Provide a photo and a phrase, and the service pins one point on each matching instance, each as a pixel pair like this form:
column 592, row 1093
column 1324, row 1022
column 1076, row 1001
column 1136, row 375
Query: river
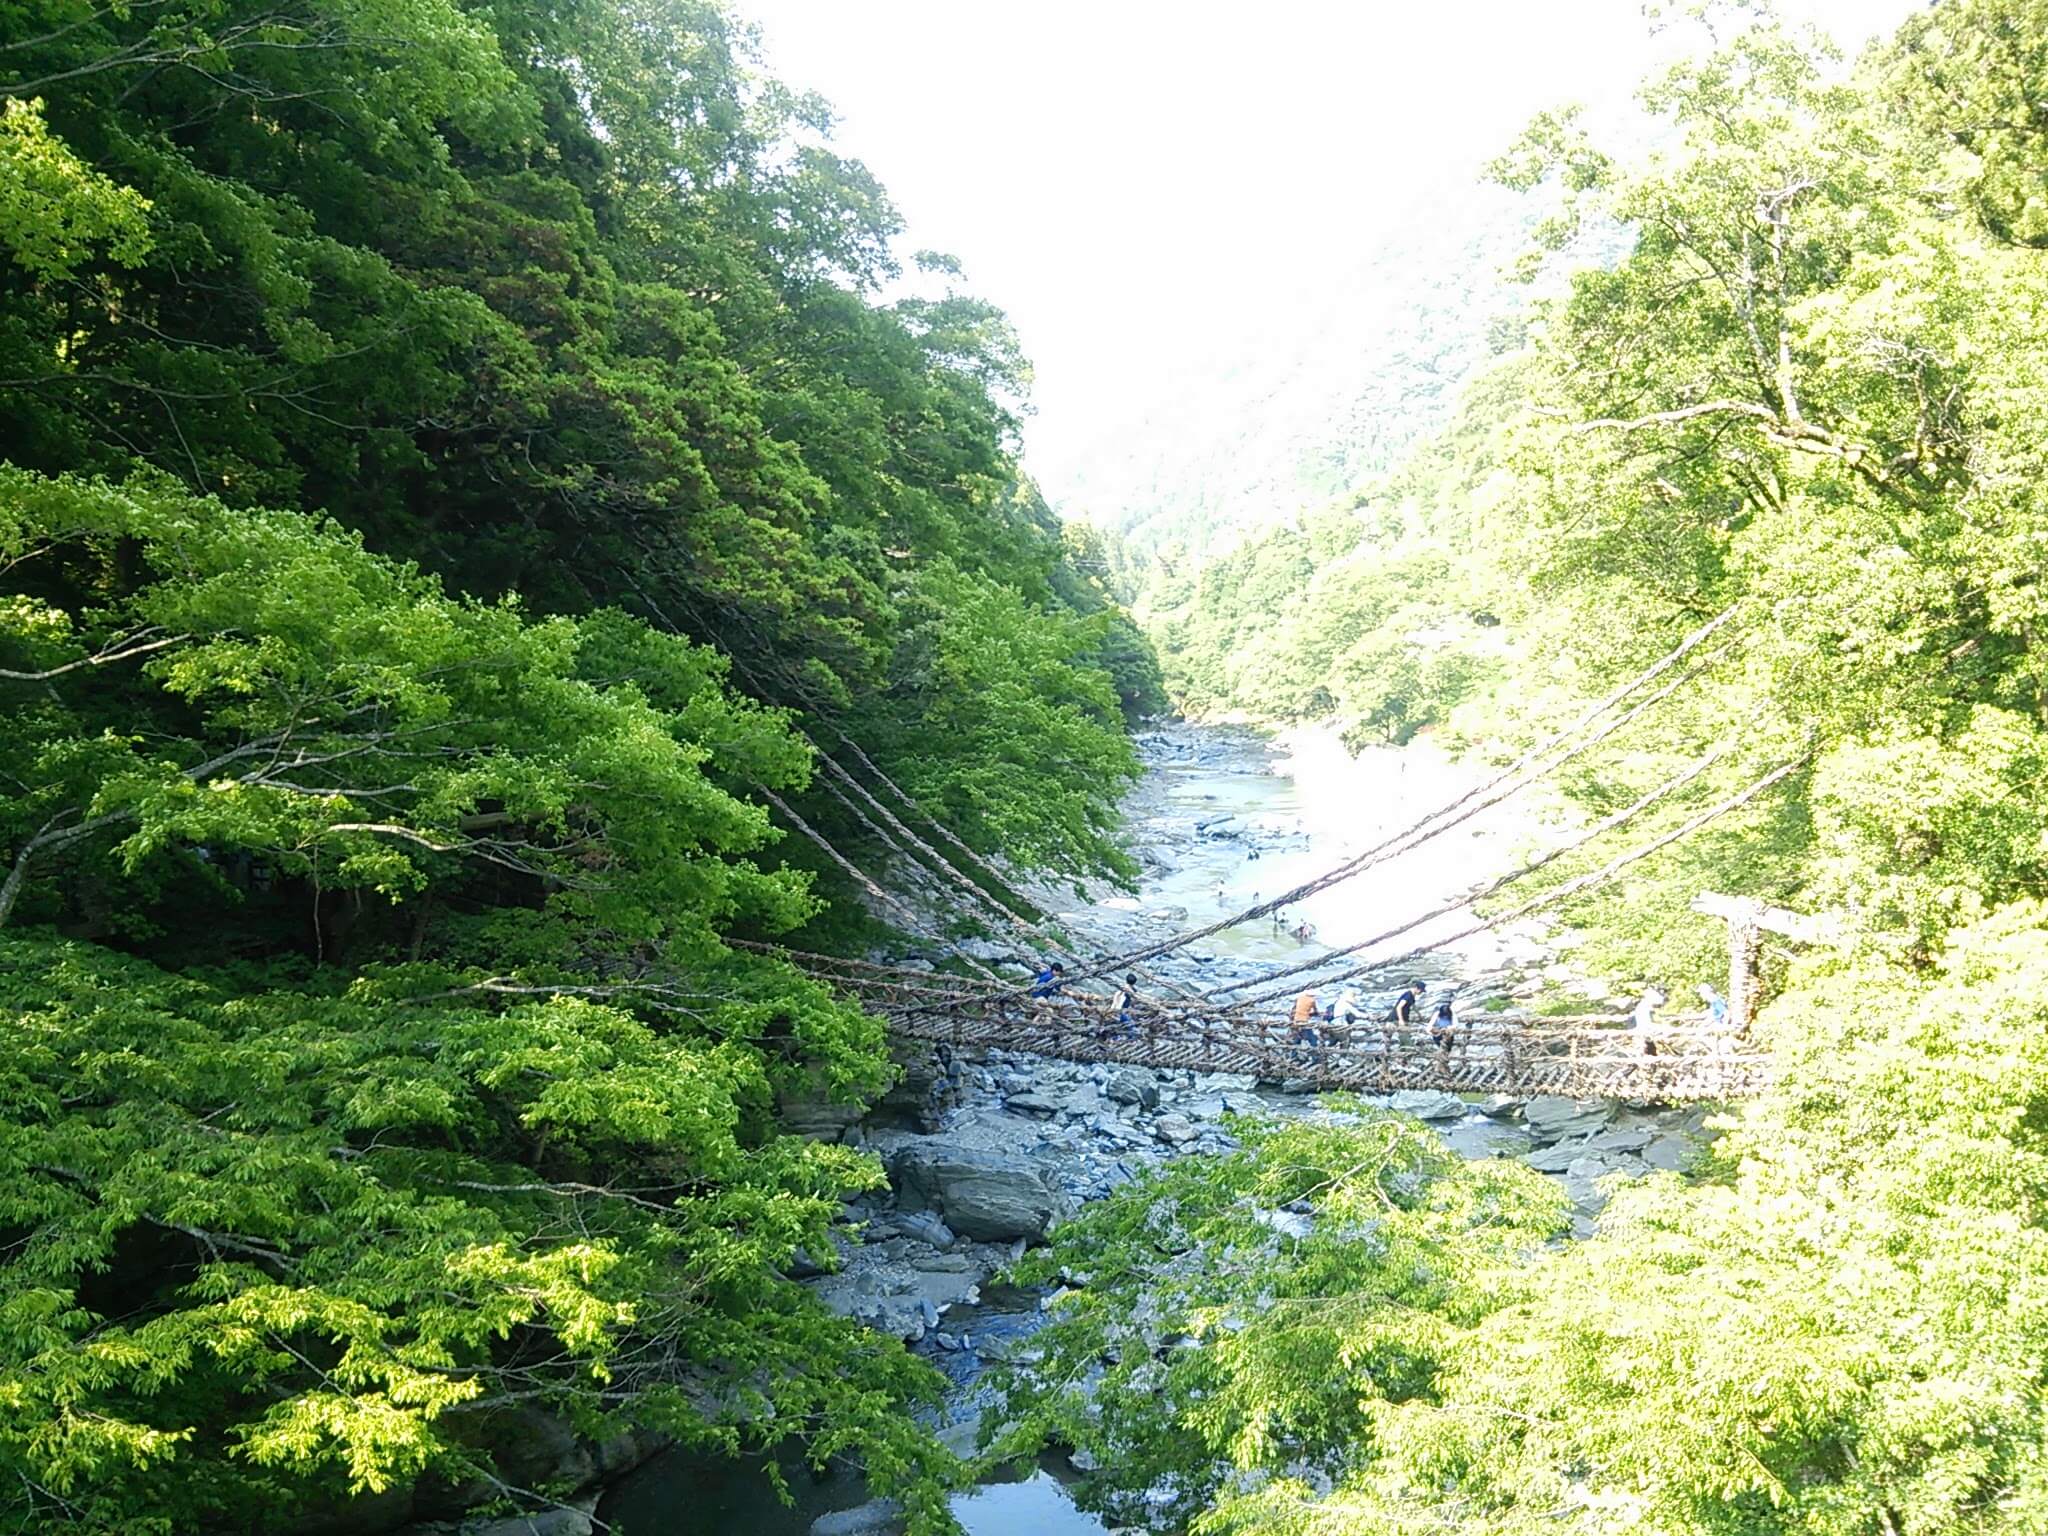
column 1223, row 818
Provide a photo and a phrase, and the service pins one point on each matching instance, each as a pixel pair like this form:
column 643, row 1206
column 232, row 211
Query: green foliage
column 279, row 1246
column 1273, row 1309
column 563, row 300
column 1810, row 390
column 1835, row 1326
column 1840, row 1330
column 403, row 399
column 55, row 209
column 445, row 1093
column 1004, row 735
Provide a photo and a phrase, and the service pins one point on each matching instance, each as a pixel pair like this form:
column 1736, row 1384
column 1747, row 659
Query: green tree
column 1228, row 1319
column 428, row 1087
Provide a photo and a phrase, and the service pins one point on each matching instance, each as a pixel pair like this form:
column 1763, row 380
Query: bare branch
column 120, row 650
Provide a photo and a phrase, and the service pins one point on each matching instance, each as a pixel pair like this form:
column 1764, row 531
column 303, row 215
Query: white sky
column 1147, row 185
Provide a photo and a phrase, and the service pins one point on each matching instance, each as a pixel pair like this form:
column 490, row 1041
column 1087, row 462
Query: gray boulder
column 1552, row 1117
column 1670, row 1152
column 982, row 1194
column 1428, row 1104
column 877, row 1517
column 1582, row 1178
column 1175, row 1129
column 923, row 1226
column 1486, row 1139
column 1131, row 1086
column 818, row 1120
column 564, row 1520
column 1032, row 1104
column 1630, row 1139
column 1556, row 1159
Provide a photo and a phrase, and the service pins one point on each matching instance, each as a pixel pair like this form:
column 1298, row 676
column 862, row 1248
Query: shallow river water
column 1223, row 819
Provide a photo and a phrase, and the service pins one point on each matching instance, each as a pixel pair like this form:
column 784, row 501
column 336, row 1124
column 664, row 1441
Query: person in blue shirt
column 1717, row 1006
column 1048, row 982
column 1443, row 1027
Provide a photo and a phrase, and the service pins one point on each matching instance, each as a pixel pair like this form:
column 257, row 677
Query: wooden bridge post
column 1743, row 942
column 1748, row 919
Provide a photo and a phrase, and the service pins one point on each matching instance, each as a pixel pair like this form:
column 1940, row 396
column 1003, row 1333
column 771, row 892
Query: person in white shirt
column 1645, row 1017
column 1344, row 1012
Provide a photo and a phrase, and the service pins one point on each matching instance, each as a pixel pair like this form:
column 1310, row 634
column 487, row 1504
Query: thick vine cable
column 854, row 872
column 1614, row 822
column 1570, row 888
column 1457, row 811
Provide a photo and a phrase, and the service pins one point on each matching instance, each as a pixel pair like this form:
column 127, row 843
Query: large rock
column 924, row 1227
column 1582, row 1178
column 546, row 1522
column 928, row 1083
column 1628, row 1139
column 817, row 1119
column 1556, row 1159
column 1133, row 1086
column 982, row 1194
column 1552, row 1117
column 877, row 1517
column 1175, row 1129
column 1484, row 1140
column 1670, row 1152
column 1428, row 1104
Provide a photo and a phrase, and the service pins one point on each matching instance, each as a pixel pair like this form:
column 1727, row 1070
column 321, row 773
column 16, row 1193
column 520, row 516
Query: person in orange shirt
column 1306, row 1009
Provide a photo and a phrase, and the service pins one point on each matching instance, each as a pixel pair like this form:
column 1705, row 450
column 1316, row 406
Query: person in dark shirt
column 1048, row 982
column 1404, row 1005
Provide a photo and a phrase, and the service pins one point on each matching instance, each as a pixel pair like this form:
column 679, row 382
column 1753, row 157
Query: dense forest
column 1809, row 395
column 1807, row 392
column 465, row 470
column 489, row 524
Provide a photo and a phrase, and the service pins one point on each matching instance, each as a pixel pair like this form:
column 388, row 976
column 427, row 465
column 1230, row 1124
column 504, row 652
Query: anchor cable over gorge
column 1599, row 829
column 1439, row 821
column 1185, row 1027
column 1577, row 1055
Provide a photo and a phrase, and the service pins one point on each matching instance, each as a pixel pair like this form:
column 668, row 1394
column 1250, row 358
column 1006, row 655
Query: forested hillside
column 1323, row 402
column 460, row 472
column 1808, row 393
column 1807, row 409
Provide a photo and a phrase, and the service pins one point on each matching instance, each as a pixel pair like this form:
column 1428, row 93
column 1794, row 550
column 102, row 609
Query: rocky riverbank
column 1026, row 1141
column 987, row 1151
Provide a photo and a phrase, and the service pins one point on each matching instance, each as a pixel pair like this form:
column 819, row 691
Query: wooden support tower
column 1748, row 921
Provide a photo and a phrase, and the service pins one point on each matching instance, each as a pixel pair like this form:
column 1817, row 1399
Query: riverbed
column 998, row 1147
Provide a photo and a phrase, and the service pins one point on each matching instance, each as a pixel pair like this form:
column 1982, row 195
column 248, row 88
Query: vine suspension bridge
column 1242, row 1027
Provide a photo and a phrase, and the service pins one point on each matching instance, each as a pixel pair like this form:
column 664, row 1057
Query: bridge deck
column 1579, row 1063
